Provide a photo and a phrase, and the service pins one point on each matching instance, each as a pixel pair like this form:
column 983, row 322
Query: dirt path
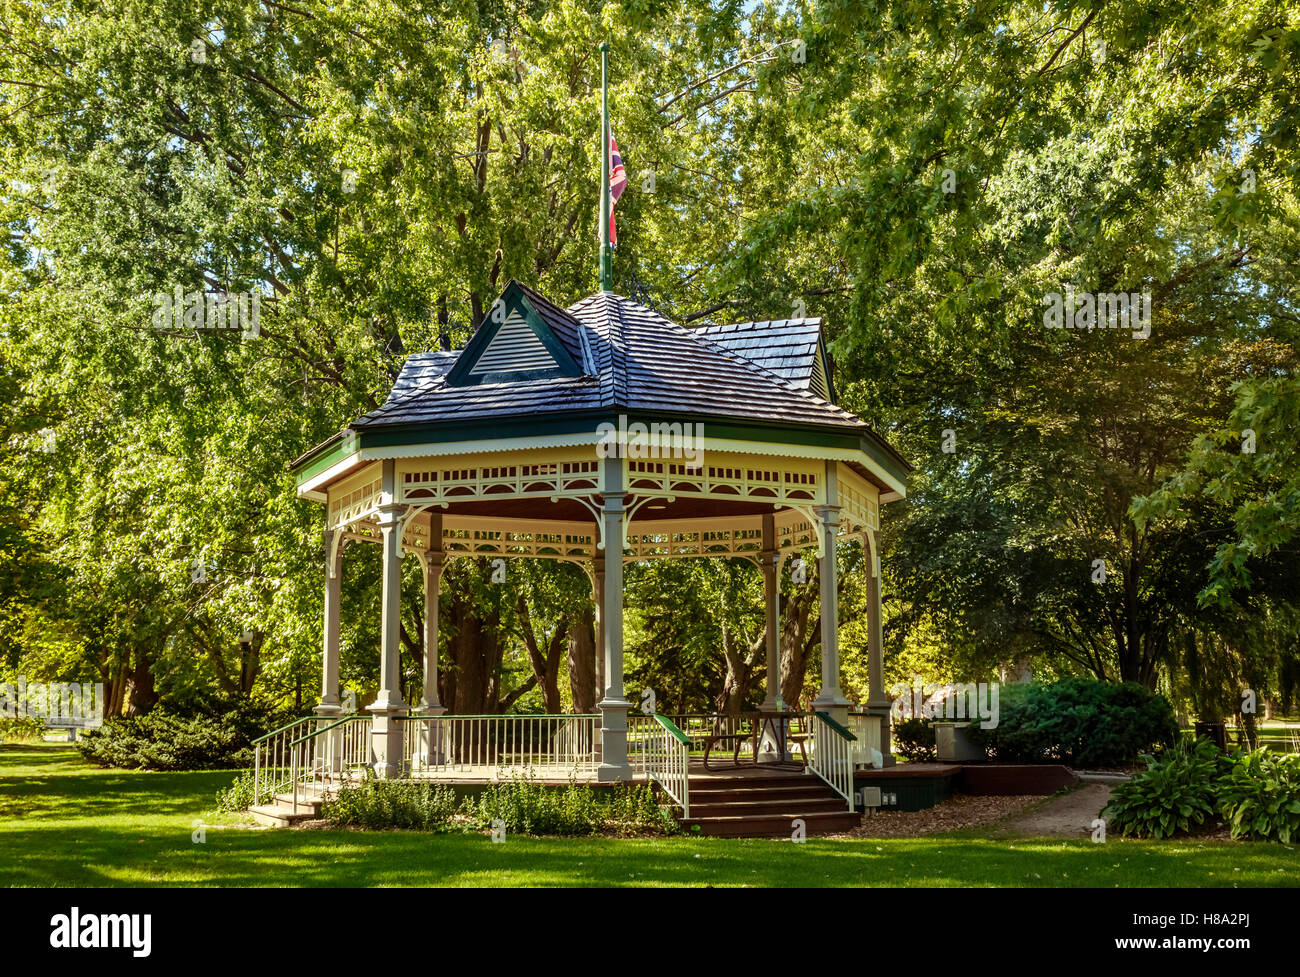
column 1067, row 816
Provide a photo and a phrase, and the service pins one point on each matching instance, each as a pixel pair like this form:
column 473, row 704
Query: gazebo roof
column 536, row 369
column 629, row 357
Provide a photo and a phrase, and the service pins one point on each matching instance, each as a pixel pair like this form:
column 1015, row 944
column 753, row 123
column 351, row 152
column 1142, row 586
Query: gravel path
column 1062, row 816
column 1067, row 815
column 959, row 813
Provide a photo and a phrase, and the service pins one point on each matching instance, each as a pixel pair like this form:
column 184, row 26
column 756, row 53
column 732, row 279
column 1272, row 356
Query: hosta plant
column 1175, row 794
column 1260, row 796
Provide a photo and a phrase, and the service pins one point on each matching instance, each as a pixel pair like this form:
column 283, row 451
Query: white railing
column 832, row 755
column 866, row 728
column 272, row 759
column 324, row 758
column 660, row 751
column 485, row 746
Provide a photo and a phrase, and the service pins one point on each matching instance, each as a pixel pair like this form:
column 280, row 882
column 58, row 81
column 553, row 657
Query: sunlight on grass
column 63, row 822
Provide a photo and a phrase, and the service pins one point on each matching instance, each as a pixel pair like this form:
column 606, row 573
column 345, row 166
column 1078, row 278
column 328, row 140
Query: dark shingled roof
column 786, row 347
column 639, row 361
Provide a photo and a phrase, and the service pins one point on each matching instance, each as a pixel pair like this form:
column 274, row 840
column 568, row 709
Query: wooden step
column 770, row 826
column 796, row 807
column 809, row 792
column 720, row 782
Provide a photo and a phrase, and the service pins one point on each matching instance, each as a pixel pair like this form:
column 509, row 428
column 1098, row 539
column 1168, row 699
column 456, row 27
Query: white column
column 770, row 563
column 329, row 693
column 599, row 580
column 831, row 700
column 773, row 733
column 433, row 563
column 877, row 701
column 614, row 706
column 386, row 732
column 598, row 592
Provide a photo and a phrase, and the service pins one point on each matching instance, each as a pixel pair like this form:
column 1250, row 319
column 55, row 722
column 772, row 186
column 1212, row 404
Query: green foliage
column 528, row 807
column 1259, row 796
column 162, row 740
column 378, row 804
column 127, row 456
column 1082, row 722
column 239, row 796
column 914, row 739
column 1177, row 793
column 20, row 728
column 521, row 804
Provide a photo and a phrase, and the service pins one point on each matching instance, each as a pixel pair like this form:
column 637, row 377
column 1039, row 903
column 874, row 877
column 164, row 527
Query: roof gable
column 793, row 349
column 524, row 337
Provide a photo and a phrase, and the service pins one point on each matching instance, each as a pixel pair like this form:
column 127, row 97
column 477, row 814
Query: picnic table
column 761, row 726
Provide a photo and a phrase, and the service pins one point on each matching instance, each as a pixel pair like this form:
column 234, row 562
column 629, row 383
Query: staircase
column 749, row 806
column 281, row 813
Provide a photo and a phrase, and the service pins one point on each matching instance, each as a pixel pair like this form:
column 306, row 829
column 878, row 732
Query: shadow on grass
column 81, row 825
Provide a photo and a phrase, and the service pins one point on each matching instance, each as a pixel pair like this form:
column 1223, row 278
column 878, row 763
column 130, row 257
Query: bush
column 1082, row 722
column 15, row 729
column 239, row 795
column 161, row 740
column 1259, row 796
column 1176, row 793
column 523, row 805
column 914, row 739
column 527, row 807
column 392, row 804
column 634, row 809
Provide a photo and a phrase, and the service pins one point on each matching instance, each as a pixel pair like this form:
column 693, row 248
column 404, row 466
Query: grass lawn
column 63, row 822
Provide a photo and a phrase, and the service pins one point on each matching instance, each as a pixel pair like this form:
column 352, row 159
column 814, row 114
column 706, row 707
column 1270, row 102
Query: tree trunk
column 545, row 661
column 796, row 640
column 582, row 660
column 743, row 665
column 140, row 695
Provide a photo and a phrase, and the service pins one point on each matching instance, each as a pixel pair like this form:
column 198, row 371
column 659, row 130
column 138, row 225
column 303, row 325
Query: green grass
column 63, row 822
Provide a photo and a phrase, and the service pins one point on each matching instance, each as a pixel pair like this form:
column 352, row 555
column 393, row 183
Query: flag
column 617, row 184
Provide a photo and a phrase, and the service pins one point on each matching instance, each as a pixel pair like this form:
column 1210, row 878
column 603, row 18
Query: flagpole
column 606, row 252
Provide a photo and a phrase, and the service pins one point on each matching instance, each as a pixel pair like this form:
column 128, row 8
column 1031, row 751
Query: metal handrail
column 324, row 729
column 304, row 719
column 298, row 752
column 663, row 754
column 671, row 726
column 832, row 756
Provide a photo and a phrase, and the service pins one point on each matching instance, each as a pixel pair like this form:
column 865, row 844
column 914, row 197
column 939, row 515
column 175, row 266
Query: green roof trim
column 578, row 422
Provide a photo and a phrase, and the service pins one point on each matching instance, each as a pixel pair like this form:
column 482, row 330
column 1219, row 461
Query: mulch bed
column 956, row 814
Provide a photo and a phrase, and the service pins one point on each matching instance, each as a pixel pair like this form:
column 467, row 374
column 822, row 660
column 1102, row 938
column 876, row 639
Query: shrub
column 1176, row 793
column 528, row 807
column 161, row 740
column 633, row 809
column 1259, row 796
column 21, row 728
column 914, row 739
column 239, row 795
column 392, row 804
column 522, row 804
column 1082, row 722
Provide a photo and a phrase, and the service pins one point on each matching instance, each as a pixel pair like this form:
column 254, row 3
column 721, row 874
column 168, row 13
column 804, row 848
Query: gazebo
column 603, row 434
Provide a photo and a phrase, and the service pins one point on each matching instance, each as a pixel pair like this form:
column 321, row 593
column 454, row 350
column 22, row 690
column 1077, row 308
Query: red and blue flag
column 617, row 184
